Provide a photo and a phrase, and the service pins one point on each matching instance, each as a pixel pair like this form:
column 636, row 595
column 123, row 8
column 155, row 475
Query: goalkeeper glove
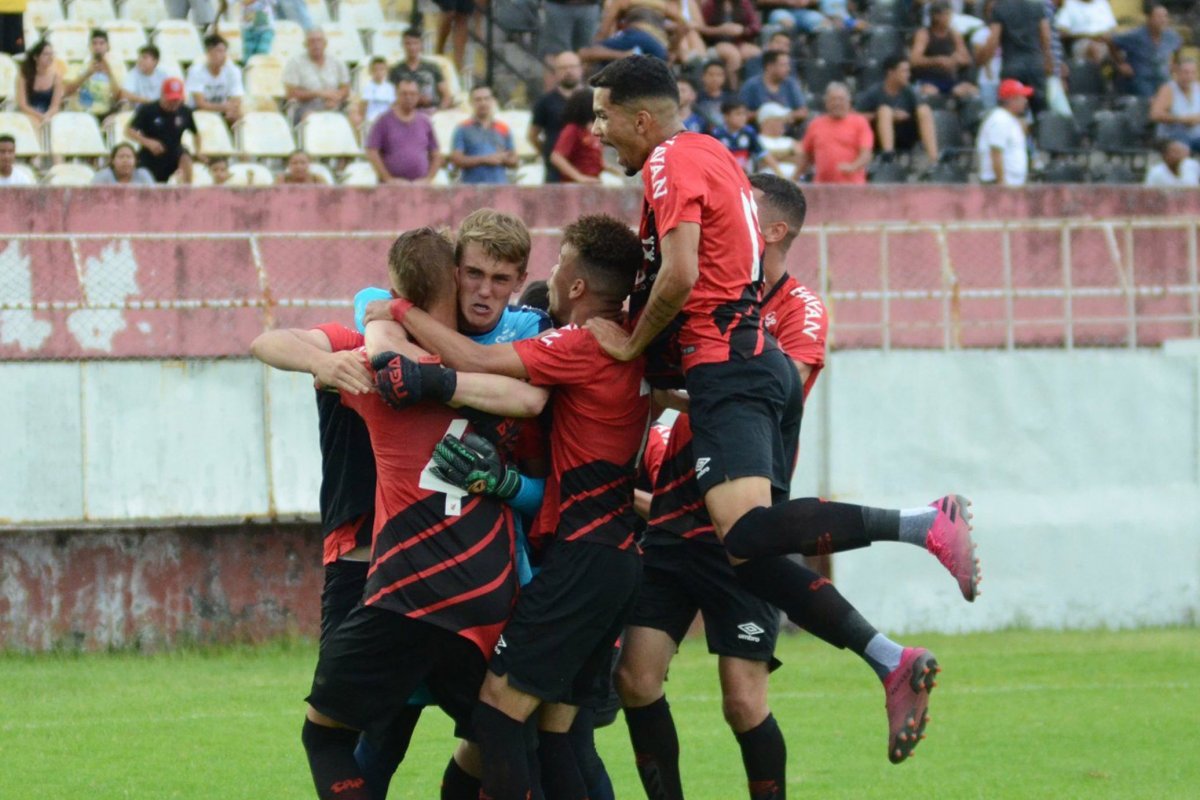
column 403, row 382
column 472, row 463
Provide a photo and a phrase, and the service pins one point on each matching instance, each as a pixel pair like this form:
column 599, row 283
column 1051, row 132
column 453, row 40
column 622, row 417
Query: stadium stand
column 264, row 134
column 345, row 43
column 115, row 128
column 8, row 79
column 200, row 175
column 359, row 173
column 250, row 174
column 387, row 41
column 26, row 172
column 69, row 174
column 362, row 14
column 215, row 139
column 178, row 40
column 328, row 134
column 444, row 123
column 517, row 120
column 70, row 39
column 42, row 14
column 125, row 36
column 288, row 41
column 318, row 12
column 20, row 127
column 146, row 12
column 264, row 76
column 93, row 13
column 76, row 134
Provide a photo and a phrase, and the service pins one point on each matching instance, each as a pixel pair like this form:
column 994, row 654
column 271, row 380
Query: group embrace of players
column 496, row 518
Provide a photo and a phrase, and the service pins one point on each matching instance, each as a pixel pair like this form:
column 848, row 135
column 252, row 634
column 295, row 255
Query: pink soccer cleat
column 907, row 688
column 949, row 539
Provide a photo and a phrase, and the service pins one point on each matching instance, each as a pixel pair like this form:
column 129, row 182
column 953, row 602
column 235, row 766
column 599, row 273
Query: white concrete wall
column 1084, row 468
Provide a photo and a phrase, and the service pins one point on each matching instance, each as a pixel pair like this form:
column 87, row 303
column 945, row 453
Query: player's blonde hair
column 501, row 236
column 421, row 266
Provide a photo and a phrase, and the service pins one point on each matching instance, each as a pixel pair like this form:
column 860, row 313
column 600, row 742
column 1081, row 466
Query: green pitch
column 1016, row 715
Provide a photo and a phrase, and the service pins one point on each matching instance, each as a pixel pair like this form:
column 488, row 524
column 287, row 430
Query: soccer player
column 698, row 304
column 441, row 582
column 557, row 649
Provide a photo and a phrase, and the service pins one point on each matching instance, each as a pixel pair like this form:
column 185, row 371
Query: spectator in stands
column 1087, row 26
column 298, row 172
column 1176, row 168
column 939, row 55
column 8, row 159
column 776, row 85
column 642, row 33
column 215, row 84
column 1002, row 147
column 123, row 170
column 772, row 135
column 1021, row 31
column 12, row 27
column 741, row 139
column 455, row 19
column 218, row 169
column 797, row 15
column 838, row 143
column 143, row 83
column 1176, row 107
column 778, row 42
column 569, row 26
column 435, row 92
column 401, row 145
column 203, row 11
column 39, row 87
column 578, row 155
column 258, row 27
column 296, row 11
column 378, row 93
column 547, row 117
column 1143, row 55
column 158, row 129
column 731, row 27
column 315, row 81
column 901, row 116
column 95, row 85
column 693, row 120
column 483, row 146
column 714, row 93
column 678, row 21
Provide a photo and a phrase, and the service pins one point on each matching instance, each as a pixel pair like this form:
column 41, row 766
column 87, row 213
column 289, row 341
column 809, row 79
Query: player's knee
column 637, row 686
column 744, row 708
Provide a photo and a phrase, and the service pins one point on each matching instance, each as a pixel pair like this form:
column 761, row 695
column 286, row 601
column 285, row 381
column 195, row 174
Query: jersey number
column 750, row 211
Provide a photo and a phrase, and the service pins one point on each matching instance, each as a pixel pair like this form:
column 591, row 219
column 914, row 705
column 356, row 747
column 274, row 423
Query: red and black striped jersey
column 691, row 177
column 450, row 567
column 797, row 317
column 599, row 414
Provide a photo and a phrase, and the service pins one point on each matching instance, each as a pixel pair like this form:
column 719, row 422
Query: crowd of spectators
column 829, row 91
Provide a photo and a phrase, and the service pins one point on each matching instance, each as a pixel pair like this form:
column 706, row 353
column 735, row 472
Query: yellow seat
column 93, row 13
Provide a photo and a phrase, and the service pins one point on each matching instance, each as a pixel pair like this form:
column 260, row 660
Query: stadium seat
column 115, row 127
column 148, row 13
column 608, row 179
column 1114, row 172
column 1086, row 78
column 1137, row 111
column 832, row 46
column 93, row 13
column 69, row 175
column 42, row 14
column 345, row 43
column 20, row 127
column 532, row 174
column 517, row 121
column 888, row 172
column 318, row 12
column 200, row 176
column 946, row 172
column 361, row 14
column 8, row 78
column 444, row 123
column 359, row 173
column 324, row 172
column 259, row 102
column 870, row 72
column 328, row 134
column 263, row 134
column 249, row 174
column 233, row 38
column 387, row 41
column 1058, row 135
column 71, row 40
column 214, row 134
column 178, row 40
column 1084, row 108
column 1063, row 172
column 76, row 134
column 818, row 74
column 288, row 41
column 264, row 76
column 125, row 37
column 1114, row 136
column 883, row 42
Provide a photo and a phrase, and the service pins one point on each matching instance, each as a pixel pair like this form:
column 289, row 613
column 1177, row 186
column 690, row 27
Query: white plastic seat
column 200, row 176
column 264, row 76
column 8, row 77
column 324, row 172
column 531, row 174
column 178, row 40
column 215, row 139
column 517, row 120
column 318, row 12
column 71, row 40
column 116, row 127
column 20, row 127
column 328, row 134
column 288, row 41
column 444, row 123
column 69, row 175
column 42, row 14
column 264, row 134
column 361, row 14
column 148, row 13
column 91, row 12
column 249, row 174
column 345, row 44
column 359, row 173
column 125, row 38
column 388, row 41
column 232, row 34
column 76, row 134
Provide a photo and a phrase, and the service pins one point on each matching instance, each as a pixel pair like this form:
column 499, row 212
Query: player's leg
column 561, row 777
column 744, row 703
column 591, row 766
column 460, row 781
column 380, row 757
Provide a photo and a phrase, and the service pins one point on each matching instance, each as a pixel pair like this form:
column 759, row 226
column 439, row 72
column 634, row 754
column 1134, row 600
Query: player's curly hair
column 783, row 199
column 637, row 78
column 421, row 266
column 610, row 254
column 502, row 236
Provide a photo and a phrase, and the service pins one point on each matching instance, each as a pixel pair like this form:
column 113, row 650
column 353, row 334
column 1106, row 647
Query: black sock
column 379, row 760
column 591, row 766
column 656, row 748
column 331, row 759
column 502, row 745
column 765, row 755
column 808, row 599
column 560, row 772
column 805, row 525
column 457, row 784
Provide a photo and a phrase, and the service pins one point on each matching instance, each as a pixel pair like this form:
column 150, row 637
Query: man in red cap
column 1003, row 157
column 159, row 128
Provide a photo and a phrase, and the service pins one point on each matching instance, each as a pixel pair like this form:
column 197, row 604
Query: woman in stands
column 39, row 87
column 578, row 155
column 122, row 169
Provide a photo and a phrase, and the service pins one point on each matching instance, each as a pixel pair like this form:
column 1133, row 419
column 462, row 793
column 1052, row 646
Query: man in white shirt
column 1001, row 146
column 1087, row 26
column 8, row 159
column 216, row 84
column 316, row 81
column 1176, row 168
column 143, row 83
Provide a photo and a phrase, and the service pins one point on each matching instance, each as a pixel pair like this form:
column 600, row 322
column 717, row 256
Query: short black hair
column 610, row 254
column 637, row 78
column 149, row 50
column 98, row 33
column 121, row 146
column 413, row 33
column 214, row 40
column 6, row 138
column 732, row 105
column 771, row 56
column 716, row 62
column 893, row 61
column 785, row 198
column 376, row 60
column 536, row 295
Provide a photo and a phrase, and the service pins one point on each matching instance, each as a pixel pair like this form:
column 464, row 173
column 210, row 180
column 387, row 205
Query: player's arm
column 678, row 274
column 496, row 394
column 641, row 503
column 804, row 369
column 298, row 350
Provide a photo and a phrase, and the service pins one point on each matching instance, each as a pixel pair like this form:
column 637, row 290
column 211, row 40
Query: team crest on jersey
column 770, row 320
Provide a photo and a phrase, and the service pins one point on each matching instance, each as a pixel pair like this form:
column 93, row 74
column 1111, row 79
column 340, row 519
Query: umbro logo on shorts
column 751, row 632
column 702, row 466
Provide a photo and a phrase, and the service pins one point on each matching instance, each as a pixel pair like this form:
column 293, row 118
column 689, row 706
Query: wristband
column 399, row 307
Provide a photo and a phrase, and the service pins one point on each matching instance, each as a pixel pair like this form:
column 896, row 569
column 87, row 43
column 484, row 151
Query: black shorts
column 558, row 646
column 680, row 579
column 456, row 6
column 12, row 34
column 376, row 659
column 344, row 583
column 745, row 419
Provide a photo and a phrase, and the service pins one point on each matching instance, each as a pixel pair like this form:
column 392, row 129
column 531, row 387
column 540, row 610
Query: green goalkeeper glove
column 472, row 463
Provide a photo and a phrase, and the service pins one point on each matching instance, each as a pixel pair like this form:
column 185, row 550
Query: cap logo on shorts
column 750, row 631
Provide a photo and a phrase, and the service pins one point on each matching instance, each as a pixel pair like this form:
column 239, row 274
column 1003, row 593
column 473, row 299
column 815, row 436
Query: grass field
column 1016, row 715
